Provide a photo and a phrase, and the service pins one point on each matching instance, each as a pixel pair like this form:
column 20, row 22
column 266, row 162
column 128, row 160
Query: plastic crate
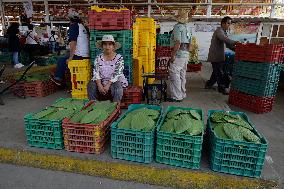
column 194, row 67
column 87, row 138
column 131, row 95
column 163, row 51
column 270, row 53
column 43, row 133
column 236, row 157
column 133, row 145
column 163, row 39
column 18, row 89
column 124, row 37
column 110, row 20
column 39, row 88
column 251, row 103
column 80, row 95
column 259, row 71
column 179, row 150
column 255, row 87
column 162, row 65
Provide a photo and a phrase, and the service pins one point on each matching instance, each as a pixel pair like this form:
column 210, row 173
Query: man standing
column 79, row 46
column 217, row 56
column 180, row 40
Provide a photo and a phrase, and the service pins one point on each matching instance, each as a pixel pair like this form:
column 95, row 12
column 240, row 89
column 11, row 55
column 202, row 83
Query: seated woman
column 108, row 71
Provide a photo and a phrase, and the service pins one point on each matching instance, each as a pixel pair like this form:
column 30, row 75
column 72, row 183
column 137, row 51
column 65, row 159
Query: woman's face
column 108, row 46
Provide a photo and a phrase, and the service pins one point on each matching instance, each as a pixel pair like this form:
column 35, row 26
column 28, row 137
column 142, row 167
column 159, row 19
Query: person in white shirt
column 53, row 40
column 32, row 42
column 79, row 46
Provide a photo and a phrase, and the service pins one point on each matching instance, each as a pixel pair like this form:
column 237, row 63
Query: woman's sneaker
column 18, row 66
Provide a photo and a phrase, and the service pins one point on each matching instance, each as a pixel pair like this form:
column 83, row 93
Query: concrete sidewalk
column 12, row 136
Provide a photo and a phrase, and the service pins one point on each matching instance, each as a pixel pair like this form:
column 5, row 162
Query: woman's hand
column 101, row 89
column 106, row 87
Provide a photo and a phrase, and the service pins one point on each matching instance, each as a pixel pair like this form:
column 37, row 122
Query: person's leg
column 61, row 68
column 92, row 90
column 220, row 75
column 175, row 80
column 116, row 91
column 214, row 75
column 16, row 58
column 183, row 78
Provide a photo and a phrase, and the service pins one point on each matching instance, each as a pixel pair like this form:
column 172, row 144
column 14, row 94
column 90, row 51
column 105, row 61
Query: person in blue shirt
column 79, row 46
column 180, row 41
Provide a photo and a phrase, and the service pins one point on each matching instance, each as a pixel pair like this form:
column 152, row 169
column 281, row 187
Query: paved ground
column 12, row 133
column 16, row 177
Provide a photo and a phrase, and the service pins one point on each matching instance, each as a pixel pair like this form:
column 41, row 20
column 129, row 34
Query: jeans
column 62, row 66
column 52, row 46
column 16, row 58
column 115, row 88
column 218, row 76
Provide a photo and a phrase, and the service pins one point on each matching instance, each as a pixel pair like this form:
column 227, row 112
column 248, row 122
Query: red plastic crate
column 107, row 20
column 131, row 95
column 162, row 66
column 163, row 51
column 270, row 53
column 194, row 67
column 87, row 138
column 251, row 103
column 18, row 89
column 39, row 88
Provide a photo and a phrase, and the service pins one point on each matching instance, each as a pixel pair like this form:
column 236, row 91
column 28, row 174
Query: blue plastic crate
column 133, row 145
column 181, row 150
column 236, row 157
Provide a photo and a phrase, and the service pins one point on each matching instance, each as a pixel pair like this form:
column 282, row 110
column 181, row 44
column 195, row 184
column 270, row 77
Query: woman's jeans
column 16, row 58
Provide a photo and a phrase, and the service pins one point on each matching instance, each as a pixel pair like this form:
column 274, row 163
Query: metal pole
column 209, row 9
column 2, row 15
column 149, row 8
column 272, row 13
column 46, row 10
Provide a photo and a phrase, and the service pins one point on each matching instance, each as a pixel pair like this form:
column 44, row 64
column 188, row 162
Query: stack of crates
column 163, row 54
column 256, row 76
column 163, row 45
column 80, row 76
column 115, row 22
column 144, row 45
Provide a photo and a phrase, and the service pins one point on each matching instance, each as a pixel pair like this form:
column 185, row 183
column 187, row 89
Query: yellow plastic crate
column 80, row 95
column 79, row 63
column 98, row 9
column 137, row 72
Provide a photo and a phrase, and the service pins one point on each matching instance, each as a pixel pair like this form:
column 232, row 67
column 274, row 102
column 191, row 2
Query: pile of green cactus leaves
column 181, row 121
column 142, row 119
column 234, row 127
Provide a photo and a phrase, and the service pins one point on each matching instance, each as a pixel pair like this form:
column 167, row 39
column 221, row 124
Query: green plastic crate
column 163, row 39
column 179, row 150
column 5, row 57
column 43, row 133
column 255, row 87
column 133, row 145
column 236, row 157
column 124, row 37
column 259, row 71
